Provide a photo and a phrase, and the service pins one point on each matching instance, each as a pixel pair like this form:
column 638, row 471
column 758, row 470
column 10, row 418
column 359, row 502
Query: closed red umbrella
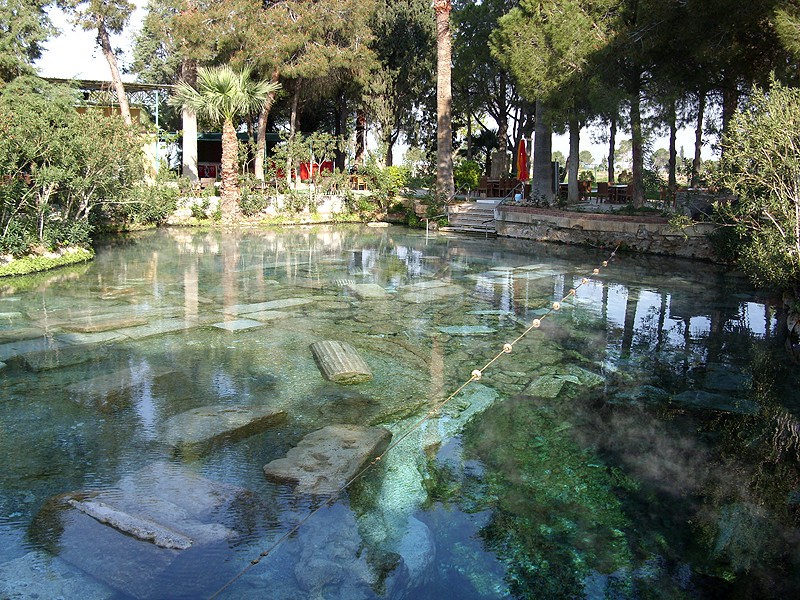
column 522, row 161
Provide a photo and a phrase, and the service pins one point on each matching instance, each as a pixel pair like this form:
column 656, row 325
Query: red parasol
column 522, row 161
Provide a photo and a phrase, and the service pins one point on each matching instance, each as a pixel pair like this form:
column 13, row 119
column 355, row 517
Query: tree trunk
column 542, row 184
column 672, row 181
column 361, row 136
column 444, row 102
column 502, row 126
column 261, row 142
column 105, row 45
column 730, row 101
column 292, row 132
column 698, row 139
column 469, row 136
column 230, row 184
column 612, row 142
column 340, row 130
column 390, row 150
column 573, row 193
column 637, row 149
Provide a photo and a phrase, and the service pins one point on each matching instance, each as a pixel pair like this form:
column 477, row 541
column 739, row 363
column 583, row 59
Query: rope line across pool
column 432, row 413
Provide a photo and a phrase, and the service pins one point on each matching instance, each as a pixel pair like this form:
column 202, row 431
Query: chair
column 483, row 187
column 602, row 192
column 666, row 196
column 584, row 189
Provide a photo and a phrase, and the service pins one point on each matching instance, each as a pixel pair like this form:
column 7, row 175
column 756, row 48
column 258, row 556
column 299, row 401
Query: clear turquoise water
column 643, row 443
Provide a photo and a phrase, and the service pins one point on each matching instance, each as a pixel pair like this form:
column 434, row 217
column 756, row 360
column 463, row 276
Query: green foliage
column 586, row 176
column 787, row 26
column 200, row 209
column 652, row 181
column 384, row 182
column 467, row 175
column 398, row 177
column 761, row 167
column 253, row 199
column 62, row 234
column 34, row 264
column 26, row 26
column 19, row 236
column 223, row 94
column 143, row 204
column 404, row 41
column 60, row 166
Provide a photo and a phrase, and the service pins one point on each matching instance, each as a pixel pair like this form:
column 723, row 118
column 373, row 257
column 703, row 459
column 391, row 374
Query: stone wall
column 643, row 234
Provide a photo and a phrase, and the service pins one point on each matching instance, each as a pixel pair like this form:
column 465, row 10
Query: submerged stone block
column 328, row 458
column 549, row 382
column 39, row 575
column 89, row 326
column 146, row 532
column 60, row 357
column 139, row 527
column 467, row 330
column 268, row 315
column 431, row 294
column 114, row 389
column 424, row 285
column 239, row 309
column 168, row 325
column 199, row 429
column 238, row 324
column 16, row 348
column 340, row 362
column 368, row 291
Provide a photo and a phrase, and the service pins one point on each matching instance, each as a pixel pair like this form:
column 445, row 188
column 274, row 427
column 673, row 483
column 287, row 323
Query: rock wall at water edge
column 653, row 235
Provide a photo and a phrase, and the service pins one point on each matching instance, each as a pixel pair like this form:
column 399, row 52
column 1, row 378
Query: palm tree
column 444, row 101
column 223, row 96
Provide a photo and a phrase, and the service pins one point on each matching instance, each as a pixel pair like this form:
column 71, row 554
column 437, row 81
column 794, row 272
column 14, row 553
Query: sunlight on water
column 643, row 441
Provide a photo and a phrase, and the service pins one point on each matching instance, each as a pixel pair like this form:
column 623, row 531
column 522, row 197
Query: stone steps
column 472, row 217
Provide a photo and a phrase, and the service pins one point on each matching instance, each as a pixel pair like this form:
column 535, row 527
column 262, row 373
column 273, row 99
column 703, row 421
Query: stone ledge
column 653, row 235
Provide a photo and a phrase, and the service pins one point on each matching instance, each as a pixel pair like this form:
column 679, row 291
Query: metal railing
column 517, row 189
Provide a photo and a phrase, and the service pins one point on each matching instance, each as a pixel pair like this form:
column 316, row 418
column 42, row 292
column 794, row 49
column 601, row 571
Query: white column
column 190, row 145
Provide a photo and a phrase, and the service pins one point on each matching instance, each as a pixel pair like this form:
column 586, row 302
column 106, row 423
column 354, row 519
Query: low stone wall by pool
column 643, row 234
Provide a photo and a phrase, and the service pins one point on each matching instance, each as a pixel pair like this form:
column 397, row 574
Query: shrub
column 467, row 175
column 652, row 181
column 18, row 238
column 384, row 183
column 253, row 199
column 761, row 166
column 61, row 234
column 200, row 209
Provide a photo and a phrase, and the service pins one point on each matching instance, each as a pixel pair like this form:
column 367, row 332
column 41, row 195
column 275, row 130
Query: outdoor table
column 617, row 192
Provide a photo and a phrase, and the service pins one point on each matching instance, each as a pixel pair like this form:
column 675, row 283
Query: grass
column 34, row 264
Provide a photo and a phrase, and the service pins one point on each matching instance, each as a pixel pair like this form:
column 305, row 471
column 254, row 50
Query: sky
column 74, row 55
